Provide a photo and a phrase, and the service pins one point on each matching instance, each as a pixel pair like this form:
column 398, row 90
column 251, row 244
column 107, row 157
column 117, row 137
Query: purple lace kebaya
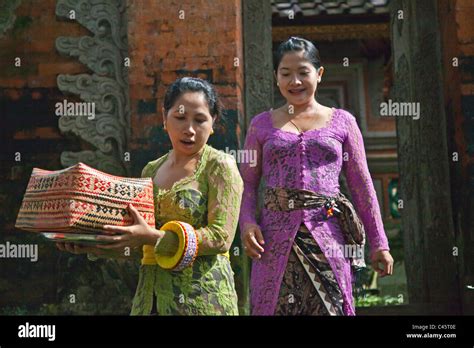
column 311, row 160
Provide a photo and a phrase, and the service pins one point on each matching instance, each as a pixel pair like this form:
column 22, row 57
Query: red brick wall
column 33, row 40
column 163, row 47
column 28, row 94
column 29, row 126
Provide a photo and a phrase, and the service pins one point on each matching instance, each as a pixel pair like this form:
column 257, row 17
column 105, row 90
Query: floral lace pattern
column 209, row 200
column 312, row 160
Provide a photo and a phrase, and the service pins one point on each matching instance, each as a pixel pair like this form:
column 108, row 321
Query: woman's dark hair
column 297, row 44
column 193, row 84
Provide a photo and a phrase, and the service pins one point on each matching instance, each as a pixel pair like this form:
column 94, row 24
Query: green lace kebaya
column 209, row 200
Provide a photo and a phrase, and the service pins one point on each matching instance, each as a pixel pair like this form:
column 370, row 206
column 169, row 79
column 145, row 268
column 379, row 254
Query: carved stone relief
column 105, row 55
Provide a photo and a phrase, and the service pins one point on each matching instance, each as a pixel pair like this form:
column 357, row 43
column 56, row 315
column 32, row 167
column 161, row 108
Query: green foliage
column 14, row 310
column 373, row 300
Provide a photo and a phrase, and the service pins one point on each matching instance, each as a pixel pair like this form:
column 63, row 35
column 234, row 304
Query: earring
column 278, row 84
column 212, row 131
column 164, row 127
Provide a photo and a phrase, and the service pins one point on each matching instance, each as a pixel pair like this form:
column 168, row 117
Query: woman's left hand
column 384, row 257
column 133, row 236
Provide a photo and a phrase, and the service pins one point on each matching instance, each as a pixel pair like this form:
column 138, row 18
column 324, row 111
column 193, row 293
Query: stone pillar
column 258, row 89
column 427, row 216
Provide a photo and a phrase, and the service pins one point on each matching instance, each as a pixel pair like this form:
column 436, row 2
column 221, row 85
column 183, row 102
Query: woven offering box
column 81, row 199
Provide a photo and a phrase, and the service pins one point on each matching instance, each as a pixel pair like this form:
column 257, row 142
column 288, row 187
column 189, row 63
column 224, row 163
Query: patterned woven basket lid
column 82, row 199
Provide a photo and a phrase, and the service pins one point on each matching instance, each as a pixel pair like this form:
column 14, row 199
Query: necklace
column 299, row 130
column 293, row 123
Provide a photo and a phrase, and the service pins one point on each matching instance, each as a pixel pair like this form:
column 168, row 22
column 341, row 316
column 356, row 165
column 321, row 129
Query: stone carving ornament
column 105, row 55
column 105, row 286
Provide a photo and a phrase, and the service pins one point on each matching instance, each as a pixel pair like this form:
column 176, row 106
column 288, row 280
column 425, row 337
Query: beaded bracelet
column 187, row 247
column 191, row 250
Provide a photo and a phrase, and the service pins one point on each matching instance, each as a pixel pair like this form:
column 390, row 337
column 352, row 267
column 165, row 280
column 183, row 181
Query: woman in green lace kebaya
column 196, row 184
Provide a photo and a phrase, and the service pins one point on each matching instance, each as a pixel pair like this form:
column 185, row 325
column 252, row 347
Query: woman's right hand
column 252, row 239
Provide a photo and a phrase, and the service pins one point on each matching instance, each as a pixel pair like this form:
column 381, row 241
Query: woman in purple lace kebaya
column 300, row 263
